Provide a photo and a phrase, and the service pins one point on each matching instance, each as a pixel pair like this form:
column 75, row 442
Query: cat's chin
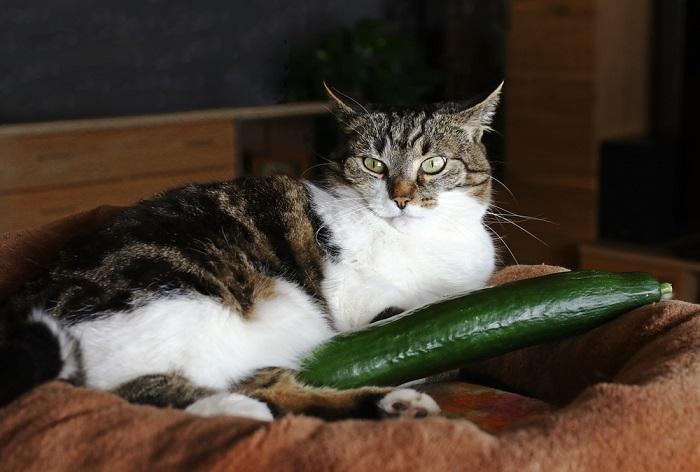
column 405, row 220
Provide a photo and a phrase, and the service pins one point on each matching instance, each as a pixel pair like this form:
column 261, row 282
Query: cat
column 206, row 297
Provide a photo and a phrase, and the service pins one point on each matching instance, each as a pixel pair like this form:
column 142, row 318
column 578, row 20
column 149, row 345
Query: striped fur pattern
column 206, row 297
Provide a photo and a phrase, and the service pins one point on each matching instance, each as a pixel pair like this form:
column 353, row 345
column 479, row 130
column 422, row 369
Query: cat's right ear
column 345, row 111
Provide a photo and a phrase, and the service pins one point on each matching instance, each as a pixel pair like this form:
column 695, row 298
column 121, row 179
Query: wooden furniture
column 50, row 170
column 577, row 73
column 683, row 274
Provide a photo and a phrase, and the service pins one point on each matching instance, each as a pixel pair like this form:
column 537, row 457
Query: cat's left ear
column 477, row 119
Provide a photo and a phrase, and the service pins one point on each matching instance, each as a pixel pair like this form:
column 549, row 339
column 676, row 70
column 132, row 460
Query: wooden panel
column 31, row 208
column 577, row 73
column 551, row 161
column 59, row 159
column 551, row 39
column 624, row 68
column 287, row 110
column 550, row 130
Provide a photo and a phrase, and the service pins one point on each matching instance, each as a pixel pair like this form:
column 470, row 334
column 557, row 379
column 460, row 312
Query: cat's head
column 401, row 160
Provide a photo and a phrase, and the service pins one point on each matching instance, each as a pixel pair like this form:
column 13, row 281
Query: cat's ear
column 478, row 118
column 338, row 104
column 347, row 111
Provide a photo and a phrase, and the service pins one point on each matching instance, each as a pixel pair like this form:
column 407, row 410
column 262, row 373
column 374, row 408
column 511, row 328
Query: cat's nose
column 401, row 191
column 401, row 202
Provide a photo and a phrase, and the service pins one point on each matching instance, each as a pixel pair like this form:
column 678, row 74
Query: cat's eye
column 375, row 165
column 433, row 165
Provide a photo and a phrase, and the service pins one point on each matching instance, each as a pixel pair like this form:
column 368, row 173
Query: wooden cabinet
column 577, row 74
column 57, row 159
column 50, row 170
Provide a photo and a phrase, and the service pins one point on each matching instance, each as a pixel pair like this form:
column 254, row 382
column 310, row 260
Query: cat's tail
column 33, row 352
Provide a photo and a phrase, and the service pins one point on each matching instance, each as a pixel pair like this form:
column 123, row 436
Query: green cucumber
column 484, row 323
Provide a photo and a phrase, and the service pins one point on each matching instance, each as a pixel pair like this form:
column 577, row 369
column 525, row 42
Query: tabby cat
column 206, row 297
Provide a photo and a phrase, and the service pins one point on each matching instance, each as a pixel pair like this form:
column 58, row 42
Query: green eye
column 433, row 165
column 375, row 165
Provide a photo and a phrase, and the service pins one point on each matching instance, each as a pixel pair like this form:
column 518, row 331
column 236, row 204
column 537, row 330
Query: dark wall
column 82, row 58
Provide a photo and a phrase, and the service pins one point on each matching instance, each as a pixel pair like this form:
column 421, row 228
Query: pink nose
column 401, row 202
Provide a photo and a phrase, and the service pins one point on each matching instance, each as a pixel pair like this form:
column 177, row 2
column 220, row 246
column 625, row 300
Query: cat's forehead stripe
column 419, row 131
column 401, row 131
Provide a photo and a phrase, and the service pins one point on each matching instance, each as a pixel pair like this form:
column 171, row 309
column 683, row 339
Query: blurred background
column 107, row 102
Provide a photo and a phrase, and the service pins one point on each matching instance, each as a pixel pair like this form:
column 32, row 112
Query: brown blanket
column 629, row 393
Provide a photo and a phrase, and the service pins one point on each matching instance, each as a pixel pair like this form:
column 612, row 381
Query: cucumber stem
column 666, row 290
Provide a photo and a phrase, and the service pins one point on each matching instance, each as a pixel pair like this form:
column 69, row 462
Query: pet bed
column 625, row 396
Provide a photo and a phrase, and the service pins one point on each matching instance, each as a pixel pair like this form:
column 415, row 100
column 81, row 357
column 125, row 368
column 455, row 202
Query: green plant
column 367, row 60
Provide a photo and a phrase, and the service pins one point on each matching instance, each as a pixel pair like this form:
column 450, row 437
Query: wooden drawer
column 42, row 160
column 31, row 208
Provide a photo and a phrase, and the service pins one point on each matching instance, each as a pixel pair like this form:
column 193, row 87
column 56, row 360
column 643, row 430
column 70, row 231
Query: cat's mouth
column 409, row 213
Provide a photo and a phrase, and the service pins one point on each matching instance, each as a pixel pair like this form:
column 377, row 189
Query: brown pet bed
column 629, row 396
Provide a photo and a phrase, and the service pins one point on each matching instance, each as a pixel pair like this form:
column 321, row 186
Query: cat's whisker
column 446, row 219
column 524, row 217
column 339, row 207
column 338, row 203
column 308, row 169
column 223, row 233
column 504, row 186
column 492, row 231
column 321, row 156
column 520, row 227
column 205, row 253
column 349, row 211
column 503, row 218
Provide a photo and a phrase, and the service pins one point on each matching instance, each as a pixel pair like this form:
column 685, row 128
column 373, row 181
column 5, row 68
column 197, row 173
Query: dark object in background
column 369, row 60
column 649, row 187
column 638, row 186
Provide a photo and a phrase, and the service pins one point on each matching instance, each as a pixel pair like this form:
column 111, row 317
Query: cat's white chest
column 406, row 264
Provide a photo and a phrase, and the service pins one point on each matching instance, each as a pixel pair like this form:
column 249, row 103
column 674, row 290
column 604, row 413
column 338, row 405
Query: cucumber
column 484, row 323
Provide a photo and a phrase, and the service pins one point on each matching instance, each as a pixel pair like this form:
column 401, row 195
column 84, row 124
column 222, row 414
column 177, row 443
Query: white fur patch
column 67, row 344
column 231, row 404
column 404, row 262
column 410, row 403
column 201, row 339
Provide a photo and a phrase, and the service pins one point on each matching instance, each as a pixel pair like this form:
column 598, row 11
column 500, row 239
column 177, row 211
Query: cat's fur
column 206, row 297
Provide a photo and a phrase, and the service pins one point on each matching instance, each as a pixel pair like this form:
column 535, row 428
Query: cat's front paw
column 408, row 403
column 231, row 404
